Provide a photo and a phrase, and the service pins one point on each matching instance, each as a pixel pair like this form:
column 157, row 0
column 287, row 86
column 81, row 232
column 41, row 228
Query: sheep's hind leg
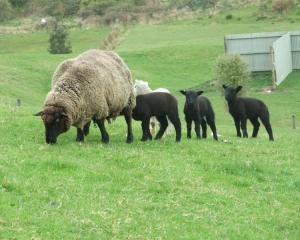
column 163, row 126
column 104, row 134
column 80, row 135
column 128, row 119
column 244, row 127
column 256, row 125
column 174, row 119
column 146, row 131
column 86, row 128
column 204, row 128
column 267, row 124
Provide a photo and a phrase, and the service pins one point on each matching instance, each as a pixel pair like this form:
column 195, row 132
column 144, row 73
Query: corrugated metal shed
column 295, row 47
column 254, row 48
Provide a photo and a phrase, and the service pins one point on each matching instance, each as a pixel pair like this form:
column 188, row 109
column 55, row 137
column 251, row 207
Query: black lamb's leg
column 256, row 125
column 267, row 124
column 128, row 119
column 204, row 128
column 104, row 134
column 212, row 125
column 237, row 126
column 244, row 127
column 146, row 130
column 163, row 126
column 80, row 135
column 175, row 120
column 188, row 127
column 197, row 128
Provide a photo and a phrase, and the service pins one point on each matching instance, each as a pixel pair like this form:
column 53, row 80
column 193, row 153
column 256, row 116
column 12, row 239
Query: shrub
column 18, row 3
column 229, row 16
column 231, row 70
column 59, row 43
column 5, row 10
column 282, row 6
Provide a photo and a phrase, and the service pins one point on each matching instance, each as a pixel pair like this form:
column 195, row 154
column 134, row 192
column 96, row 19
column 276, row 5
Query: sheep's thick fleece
column 95, row 84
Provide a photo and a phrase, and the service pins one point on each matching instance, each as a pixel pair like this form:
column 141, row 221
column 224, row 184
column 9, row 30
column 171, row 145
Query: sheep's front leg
column 80, row 135
column 197, row 129
column 244, row 127
column 146, row 130
column 104, row 134
column 237, row 126
column 188, row 127
column 128, row 119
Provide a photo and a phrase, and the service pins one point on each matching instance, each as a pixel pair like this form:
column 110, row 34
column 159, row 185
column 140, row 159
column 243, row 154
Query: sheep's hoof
column 144, row 139
column 105, row 140
column 129, row 139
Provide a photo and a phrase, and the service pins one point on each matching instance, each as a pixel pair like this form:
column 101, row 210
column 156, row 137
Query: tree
column 5, row 10
column 231, row 70
column 59, row 43
column 282, row 6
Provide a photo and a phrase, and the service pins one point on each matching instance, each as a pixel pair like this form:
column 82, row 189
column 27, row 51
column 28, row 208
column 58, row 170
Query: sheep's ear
column 199, row 93
column 183, row 92
column 63, row 114
column 224, row 86
column 238, row 88
column 41, row 113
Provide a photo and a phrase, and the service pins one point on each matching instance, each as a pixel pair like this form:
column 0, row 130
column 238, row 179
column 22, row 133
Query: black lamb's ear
column 238, row 88
column 224, row 86
column 199, row 93
column 183, row 92
column 41, row 113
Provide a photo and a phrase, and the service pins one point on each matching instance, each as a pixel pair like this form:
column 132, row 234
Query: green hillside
column 245, row 188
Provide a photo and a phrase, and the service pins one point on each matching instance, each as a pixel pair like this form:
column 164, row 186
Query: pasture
column 245, row 188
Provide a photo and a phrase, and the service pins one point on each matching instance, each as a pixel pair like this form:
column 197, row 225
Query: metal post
column 18, row 102
column 294, row 121
column 273, row 67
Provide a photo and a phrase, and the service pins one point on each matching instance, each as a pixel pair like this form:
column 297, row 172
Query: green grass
column 247, row 188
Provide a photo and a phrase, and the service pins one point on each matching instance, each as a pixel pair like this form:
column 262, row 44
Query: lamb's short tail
column 265, row 119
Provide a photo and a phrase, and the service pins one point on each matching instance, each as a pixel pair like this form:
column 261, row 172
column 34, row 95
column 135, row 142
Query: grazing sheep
column 95, row 85
column 142, row 87
column 242, row 109
column 198, row 109
column 161, row 105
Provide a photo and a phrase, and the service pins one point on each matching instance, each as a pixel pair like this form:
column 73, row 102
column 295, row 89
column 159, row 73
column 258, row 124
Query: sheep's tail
column 264, row 114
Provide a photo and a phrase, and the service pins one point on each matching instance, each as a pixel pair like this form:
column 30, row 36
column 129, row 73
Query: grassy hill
column 247, row 188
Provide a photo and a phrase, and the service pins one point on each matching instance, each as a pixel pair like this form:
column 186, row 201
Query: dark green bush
column 5, row 10
column 59, row 43
column 231, row 70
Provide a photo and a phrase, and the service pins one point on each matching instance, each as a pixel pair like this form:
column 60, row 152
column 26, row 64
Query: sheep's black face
column 55, row 121
column 230, row 92
column 191, row 97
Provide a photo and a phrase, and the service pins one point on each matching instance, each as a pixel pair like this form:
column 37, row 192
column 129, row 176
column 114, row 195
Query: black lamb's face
column 231, row 92
column 55, row 121
column 191, row 96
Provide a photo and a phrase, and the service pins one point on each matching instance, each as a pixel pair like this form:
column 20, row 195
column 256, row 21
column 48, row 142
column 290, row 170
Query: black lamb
column 161, row 105
column 242, row 109
column 198, row 109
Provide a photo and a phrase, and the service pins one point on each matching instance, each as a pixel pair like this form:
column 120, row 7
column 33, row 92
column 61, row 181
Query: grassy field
column 247, row 188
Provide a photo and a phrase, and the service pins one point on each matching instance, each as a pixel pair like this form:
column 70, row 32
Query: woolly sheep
column 142, row 87
column 242, row 109
column 95, row 85
column 198, row 109
column 161, row 105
